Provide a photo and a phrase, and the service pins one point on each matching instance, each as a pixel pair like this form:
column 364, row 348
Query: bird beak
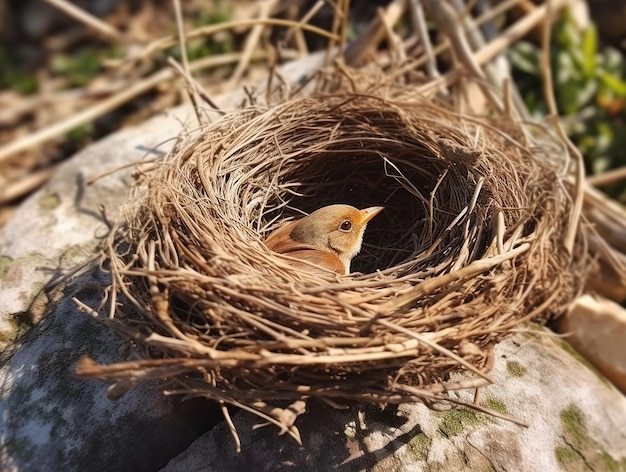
column 370, row 213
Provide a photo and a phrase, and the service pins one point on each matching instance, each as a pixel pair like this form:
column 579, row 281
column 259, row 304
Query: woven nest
column 469, row 246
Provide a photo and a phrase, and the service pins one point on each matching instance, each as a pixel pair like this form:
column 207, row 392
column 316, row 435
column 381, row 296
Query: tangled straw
column 469, row 246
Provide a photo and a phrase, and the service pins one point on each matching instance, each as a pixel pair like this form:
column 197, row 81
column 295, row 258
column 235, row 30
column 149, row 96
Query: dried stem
column 87, row 19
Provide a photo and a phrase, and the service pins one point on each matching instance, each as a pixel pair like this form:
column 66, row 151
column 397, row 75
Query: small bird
column 328, row 238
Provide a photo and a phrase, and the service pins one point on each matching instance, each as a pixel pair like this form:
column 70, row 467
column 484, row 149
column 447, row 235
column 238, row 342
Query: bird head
column 335, row 228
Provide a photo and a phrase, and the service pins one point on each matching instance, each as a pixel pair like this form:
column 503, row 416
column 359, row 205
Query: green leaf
column 586, row 92
column 564, row 70
column 589, row 51
column 566, row 33
column 612, row 60
column 578, row 62
column 613, row 83
column 574, row 93
column 79, row 68
column 605, row 137
column 525, row 57
column 81, row 134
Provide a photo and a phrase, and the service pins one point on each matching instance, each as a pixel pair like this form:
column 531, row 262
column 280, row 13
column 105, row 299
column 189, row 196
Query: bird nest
column 469, row 246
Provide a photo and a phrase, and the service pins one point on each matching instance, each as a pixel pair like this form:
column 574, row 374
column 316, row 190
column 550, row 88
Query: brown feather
column 280, row 242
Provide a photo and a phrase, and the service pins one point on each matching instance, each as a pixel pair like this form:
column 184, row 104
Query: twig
column 83, row 308
column 373, row 34
column 229, row 58
column 84, row 116
column 87, row 19
column 195, row 91
column 169, row 41
column 305, row 19
column 25, row 185
column 332, row 42
column 13, row 111
column 546, row 72
column 608, row 177
column 469, row 405
column 495, row 47
column 105, row 106
column 440, row 48
column 448, row 20
column 496, row 71
column 191, row 89
column 265, row 8
column 343, row 32
column 421, row 29
column 469, row 270
column 394, row 43
column 489, row 411
column 231, row 425
column 433, row 345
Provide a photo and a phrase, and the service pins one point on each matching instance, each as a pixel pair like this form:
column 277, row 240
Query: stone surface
column 60, row 225
column 51, row 420
column 596, row 327
column 577, row 422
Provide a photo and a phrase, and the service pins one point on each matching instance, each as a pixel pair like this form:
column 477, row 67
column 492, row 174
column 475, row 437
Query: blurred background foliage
column 590, row 90
column 52, row 67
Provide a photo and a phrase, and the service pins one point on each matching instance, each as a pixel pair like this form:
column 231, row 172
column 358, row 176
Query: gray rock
column 60, row 226
column 50, row 419
column 596, row 327
column 577, row 422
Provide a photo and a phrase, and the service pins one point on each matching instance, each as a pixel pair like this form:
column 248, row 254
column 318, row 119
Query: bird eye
column 345, row 225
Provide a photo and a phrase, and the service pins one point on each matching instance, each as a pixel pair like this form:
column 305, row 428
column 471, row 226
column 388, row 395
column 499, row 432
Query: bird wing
column 309, row 256
column 280, row 242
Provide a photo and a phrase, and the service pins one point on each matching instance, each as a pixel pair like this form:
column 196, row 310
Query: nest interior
column 469, row 246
